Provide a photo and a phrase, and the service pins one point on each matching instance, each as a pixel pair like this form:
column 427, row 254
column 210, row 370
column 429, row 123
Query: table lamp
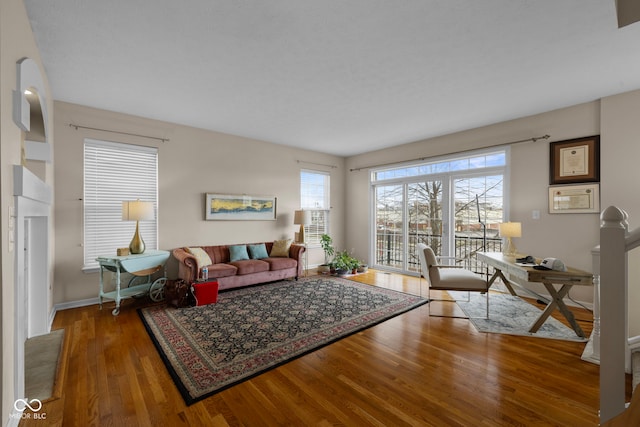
column 509, row 230
column 301, row 218
column 136, row 210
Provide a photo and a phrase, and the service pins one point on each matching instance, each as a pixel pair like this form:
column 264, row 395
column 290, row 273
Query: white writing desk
column 549, row 278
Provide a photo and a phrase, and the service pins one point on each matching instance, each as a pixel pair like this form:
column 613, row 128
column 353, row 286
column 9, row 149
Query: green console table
column 142, row 267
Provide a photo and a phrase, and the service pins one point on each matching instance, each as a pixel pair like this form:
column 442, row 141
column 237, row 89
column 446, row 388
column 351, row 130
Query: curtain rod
column 121, row 133
column 317, row 164
column 534, row 139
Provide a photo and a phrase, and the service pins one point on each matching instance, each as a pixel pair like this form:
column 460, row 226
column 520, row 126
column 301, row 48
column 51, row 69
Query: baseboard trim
column 74, row 304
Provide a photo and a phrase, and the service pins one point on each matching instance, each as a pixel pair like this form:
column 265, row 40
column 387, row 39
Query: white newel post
column 613, row 312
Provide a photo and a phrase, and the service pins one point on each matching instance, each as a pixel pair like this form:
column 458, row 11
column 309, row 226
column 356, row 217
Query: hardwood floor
column 411, row 370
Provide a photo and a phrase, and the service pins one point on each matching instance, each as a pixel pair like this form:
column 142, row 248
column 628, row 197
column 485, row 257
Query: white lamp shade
column 510, row 229
column 136, row 210
column 302, row 217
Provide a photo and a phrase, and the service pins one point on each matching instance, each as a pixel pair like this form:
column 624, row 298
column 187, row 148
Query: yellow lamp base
column 137, row 244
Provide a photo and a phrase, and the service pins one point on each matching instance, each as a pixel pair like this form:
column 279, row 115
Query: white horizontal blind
column 115, row 172
column 314, row 196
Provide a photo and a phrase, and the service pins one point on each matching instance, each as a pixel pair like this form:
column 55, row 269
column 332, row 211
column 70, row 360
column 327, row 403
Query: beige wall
column 192, row 163
column 569, row 237
column 16, row 42
column 196, row 161
column 620, row 177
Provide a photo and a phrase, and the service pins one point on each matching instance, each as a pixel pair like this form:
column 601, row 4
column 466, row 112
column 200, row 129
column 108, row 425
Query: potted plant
column 327, row 246
column 362, row 267
column 341, row 263
column 355, row 263
column 344, row 263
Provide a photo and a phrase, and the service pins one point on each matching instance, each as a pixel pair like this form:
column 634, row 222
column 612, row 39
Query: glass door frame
column 448, row 209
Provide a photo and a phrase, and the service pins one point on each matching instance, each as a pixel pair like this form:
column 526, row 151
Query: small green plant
column 327, row 246
column 344, row 261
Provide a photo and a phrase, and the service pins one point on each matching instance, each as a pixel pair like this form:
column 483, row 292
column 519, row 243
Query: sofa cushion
column 258, row 251
column 280, row 248
column 218, row 253
column 281, row 263
column 238, row 252
column 222, row 270
column 202, row 258
column 250, row 266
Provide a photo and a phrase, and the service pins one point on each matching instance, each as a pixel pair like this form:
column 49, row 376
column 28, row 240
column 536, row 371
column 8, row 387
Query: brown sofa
column 233, row 274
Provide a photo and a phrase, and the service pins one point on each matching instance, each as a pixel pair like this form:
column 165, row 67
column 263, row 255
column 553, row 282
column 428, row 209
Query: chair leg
column 468, row 300
column 487, row 294
column 447, row 300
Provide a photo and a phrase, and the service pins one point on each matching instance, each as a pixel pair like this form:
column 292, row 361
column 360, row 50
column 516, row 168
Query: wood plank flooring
column 412, row 370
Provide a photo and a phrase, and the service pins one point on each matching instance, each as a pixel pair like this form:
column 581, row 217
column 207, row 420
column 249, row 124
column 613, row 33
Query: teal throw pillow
column 238, row 252
column 258, row 251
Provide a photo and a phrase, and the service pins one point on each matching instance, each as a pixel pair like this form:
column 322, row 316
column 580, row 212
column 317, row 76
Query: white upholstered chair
column 448, row 277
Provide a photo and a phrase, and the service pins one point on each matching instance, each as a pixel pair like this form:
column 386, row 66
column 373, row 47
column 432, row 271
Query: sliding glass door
column 406, row 214
column 454, row 206
column 426, row 223
column 389, row 220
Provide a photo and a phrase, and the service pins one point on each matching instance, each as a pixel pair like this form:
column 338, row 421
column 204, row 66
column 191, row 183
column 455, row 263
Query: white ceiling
column 338, row 76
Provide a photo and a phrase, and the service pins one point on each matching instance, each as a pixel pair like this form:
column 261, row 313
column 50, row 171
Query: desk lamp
column 509, row 230
column 301, row 218
column 136, row 210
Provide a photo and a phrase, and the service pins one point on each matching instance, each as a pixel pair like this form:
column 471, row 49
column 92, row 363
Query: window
column 314, row 196
column 113, row 173
column 452, row 204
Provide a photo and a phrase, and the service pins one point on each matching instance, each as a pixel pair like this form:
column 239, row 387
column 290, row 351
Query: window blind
column 115, row 172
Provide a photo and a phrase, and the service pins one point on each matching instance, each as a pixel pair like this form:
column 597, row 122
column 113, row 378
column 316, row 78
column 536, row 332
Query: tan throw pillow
column 280, row 248
column 202, row 258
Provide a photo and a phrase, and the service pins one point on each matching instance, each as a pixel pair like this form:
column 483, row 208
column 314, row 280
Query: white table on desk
column 549, row 278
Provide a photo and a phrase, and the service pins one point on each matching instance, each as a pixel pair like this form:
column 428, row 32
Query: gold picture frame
column 240, row 207
column 575, row 161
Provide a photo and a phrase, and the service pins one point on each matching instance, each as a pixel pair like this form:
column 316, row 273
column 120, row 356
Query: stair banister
column 633, row 240
column 613, row 311
column 592, row 349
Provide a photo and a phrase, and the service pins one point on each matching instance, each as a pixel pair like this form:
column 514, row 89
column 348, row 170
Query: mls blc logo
column 33, row 404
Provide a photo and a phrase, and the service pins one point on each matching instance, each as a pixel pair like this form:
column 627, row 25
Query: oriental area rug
column 510, row 315
column 248, row 331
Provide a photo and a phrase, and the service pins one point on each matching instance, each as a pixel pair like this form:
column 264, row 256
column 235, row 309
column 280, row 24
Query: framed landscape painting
column 239, row 207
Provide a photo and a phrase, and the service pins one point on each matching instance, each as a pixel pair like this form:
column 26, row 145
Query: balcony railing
column 390, row 249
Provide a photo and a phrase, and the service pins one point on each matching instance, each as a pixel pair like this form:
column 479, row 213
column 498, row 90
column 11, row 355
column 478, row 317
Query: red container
column 205, row 292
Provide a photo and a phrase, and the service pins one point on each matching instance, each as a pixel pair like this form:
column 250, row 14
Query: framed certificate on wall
column 574, row 198
column 574, row 161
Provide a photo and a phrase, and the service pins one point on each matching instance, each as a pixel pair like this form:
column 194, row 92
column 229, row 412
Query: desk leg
column 557, row 302
column 498, row 273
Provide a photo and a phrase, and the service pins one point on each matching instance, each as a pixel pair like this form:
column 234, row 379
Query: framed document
column 575, row 160
column 574, row 198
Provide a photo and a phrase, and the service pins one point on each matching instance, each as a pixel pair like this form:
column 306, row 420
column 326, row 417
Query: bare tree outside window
column 450, row 205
